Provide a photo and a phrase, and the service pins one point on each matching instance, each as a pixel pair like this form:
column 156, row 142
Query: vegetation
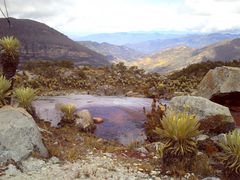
column 4, row 89
column 178, row 130
column 68, row 110
column 231, row 157
column 25, row 96
column 187, row 79
column 9, row 47
column 153, row 120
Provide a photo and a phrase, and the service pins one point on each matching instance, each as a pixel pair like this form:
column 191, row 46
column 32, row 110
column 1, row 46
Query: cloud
column 74, row 17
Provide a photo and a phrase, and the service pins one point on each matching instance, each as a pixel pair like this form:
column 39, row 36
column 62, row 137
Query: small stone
column 54, row 160
column 142, row 150
column 211, row 178
column 12, row 170
column 218, row 138
column 202, row 137
column 98, row 120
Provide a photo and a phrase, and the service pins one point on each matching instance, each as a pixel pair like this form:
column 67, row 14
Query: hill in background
column 176, row 58
column 112, row 52
column 194, row 41
column 41, row 42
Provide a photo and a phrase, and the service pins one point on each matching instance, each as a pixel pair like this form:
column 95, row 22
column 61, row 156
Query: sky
column 81, row 17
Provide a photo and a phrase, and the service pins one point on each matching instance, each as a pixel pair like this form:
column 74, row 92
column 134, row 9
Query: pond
column 123, row 116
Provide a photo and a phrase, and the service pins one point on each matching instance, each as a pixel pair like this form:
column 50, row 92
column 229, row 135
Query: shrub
column 68, row 110
column 231, row 157
column 4, row 87
column 178, row 130
column 9, row 47
column 153, row 120
column 25, row 96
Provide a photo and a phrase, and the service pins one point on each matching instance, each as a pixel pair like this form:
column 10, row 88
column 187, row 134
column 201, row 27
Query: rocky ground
column 97, row 167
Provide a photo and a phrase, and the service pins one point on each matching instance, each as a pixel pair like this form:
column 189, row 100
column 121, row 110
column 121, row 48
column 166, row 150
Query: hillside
column 225, row 51
column 113, row 52
column 39, row 41
column 167, row 60
column 194, row 41
column 176, row 58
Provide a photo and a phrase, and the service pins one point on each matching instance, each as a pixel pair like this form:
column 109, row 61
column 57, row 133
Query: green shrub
column 25, row 96
column 231, row 148
column 9, row 46
column 68, row 110
column 178, row 130
column 9, row 55
column 4, row 88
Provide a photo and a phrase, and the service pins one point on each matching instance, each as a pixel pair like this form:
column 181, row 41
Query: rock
column 152, row 92
column 33, row 164
column 211, row 178
column 54, row 160
column 218, row 138
column 98, row 120
column 108, row 90
column 12, row 170
column 142, row 150
column 202, row 137
column 19, row 135
column 214, row 118
column 179, row 94
column 30, row 76
column 84, row 121
column 219, row 80
column 133, row 94
column 69, row 74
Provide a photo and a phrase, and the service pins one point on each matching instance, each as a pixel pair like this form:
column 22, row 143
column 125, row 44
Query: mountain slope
column 176, row 58
column 113, row 52
column 224, row 51
column 39, row 41
column 194, row 41
column 167, row 60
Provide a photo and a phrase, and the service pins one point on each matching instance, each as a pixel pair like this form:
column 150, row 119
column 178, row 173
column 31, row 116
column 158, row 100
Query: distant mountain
column 223, row 51
column 113, row 52
column 194, row 41
column 130, row 37
column 39, row 41
column 176, row 58
column 167, row 60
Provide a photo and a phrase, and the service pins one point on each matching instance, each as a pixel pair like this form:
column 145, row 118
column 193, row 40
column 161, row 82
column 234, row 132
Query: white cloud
column 95, row 16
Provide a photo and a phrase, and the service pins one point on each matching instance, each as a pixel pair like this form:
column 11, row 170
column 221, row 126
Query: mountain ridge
column 172, row 59
column 41, row 42
column 113, row 52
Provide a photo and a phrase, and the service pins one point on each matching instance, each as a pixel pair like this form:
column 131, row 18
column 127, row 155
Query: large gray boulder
column 214, row 118
column 220, row 80
column 19, row 135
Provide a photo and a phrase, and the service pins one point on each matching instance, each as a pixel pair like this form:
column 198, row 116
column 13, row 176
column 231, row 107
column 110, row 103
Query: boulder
column 214, row 118
column 219, row 80
column 19, row 135
column 84, row 121
column 221, row 85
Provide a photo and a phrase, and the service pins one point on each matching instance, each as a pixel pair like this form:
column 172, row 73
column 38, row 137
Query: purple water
column 123, row 116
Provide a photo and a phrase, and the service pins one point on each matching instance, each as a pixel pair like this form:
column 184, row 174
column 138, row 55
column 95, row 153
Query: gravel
column 95, row 167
